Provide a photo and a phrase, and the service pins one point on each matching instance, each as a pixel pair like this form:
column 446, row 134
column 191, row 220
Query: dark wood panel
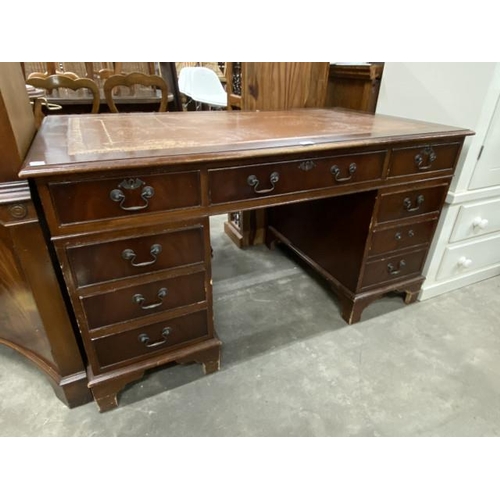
column 417, row 201
column 305, row 175
column 122, row 305
column 423, row 159
column 19, row 317
column 132, row 345
column 332, row 232
column 124, row 257
column 120, row 196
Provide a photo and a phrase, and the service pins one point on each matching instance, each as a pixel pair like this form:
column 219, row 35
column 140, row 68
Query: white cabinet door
column 487, row 170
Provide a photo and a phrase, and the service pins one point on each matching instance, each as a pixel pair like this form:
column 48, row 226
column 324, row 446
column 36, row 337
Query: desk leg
column 106, row 386
column 411, row 291
column 352, row 308
column 106, row 391
column 209, row 358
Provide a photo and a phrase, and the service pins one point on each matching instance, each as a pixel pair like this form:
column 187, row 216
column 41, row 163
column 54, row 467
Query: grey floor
column 292, row 367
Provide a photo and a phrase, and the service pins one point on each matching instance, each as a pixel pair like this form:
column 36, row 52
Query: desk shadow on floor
column 259, row 309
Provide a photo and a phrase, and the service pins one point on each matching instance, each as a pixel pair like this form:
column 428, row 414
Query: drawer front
column 110, row 260
column 137, row 301
column 393, row 268
column 423, row 159
column 270, row 179
column 410, row 203
column 151, row 340
column 124, row 196
column 464, row 258
column 397, row 238
column 477, row 219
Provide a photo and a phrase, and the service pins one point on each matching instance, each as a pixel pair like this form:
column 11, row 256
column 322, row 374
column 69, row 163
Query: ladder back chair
column 131, row 79
column 69, row 81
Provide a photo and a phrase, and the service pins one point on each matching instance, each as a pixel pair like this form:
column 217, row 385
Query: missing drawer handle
column 408, row 205
column 254, row 182
column 399, row 235
column 307, row 165
column 335, row 171
column 139, row 299
column 393, row 271
column 117, row 195
column 129, row 254
column 144, row 338
column 431, row 156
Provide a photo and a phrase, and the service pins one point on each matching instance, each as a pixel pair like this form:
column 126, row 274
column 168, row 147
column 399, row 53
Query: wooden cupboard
column 34, row 318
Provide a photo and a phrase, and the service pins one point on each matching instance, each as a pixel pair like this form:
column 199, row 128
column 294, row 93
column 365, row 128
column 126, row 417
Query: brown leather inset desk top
column 72, row 143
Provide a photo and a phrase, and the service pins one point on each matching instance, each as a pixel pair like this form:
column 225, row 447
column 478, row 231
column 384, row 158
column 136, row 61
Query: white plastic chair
column 202, row 85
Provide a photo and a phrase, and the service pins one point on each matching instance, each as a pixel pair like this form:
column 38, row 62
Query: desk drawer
column 405, row 204
column 477, row 219
column 423, row 159
column 402, row 236
column 120, row 258
column 136, row 301
column 393, row 268
column 118, row 197
column 470, row 256
column 151, row 340
column 270, row 179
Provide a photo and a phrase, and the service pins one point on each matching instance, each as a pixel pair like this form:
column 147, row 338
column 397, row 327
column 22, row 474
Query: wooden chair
column 69, row 81
column 135, row 67
column 131, row 79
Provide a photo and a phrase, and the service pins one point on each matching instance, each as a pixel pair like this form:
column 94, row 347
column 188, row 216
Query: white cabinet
column 466, row 246
column 487, row 171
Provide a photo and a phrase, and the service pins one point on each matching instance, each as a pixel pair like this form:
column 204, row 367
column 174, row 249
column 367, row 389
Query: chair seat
column 202, row 85
column 211, row 99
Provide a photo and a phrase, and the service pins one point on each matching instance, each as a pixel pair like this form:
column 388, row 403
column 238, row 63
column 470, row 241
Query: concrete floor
column 292, row 367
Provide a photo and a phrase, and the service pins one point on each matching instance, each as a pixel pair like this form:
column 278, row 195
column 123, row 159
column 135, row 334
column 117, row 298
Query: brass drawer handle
column 254, row 182
column 117, row 195
column 130, row 255
column 392, row 270
column 144, row 338
column 408, row 206
column 431, row 156
column 335, row 170
column 139, row 299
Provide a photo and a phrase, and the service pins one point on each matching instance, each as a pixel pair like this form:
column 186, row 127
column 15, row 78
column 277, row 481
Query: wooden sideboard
column 354, row 86
column 127, row 199
column 34, row 318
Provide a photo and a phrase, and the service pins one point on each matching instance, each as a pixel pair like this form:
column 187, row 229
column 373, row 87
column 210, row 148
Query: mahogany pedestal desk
column 127, row 200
